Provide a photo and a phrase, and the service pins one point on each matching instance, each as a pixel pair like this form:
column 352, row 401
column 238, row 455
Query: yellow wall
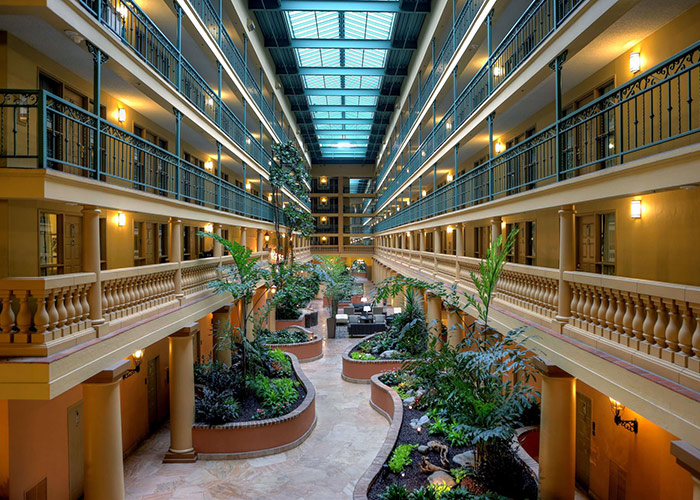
column 4, row 449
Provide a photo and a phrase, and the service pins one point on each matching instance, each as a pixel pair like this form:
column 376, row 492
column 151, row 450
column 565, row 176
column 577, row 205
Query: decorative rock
column 390, row 354
column 423, row 449
column 464, row 459
column 440, row 478
column 419, row 422
column 409, row 401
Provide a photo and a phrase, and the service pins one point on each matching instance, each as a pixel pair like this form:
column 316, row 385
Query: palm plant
column 337, row 280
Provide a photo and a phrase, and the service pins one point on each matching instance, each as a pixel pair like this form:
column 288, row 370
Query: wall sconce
column 121, row 115
column 324, row 200
column 269, row 197
column 209, row 227
column 248, row 186
column 209, row 165
column 323, row 219
column 497, row 71
column 618, row 409
column 121, row 219
column 499, row 147
column 267, row 237
column 636, row 209
column 137, row 358
column 424, row 193
column 635, row 62
column 449, row 177
column 422, row 153
column 247, row 140
column 450, row 229
column 323, row 238
column 324, row 180
column 408, row 234
column 273, row 289
column 448, row 126
column 122, row 10
column 210, row 100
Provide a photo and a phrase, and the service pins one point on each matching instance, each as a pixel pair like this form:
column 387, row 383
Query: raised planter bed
column 259, row 438
column 360, row 371
column 307, row 316
column 304, row 351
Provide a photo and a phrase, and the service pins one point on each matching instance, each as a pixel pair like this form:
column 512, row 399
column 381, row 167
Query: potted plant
column 338, row 285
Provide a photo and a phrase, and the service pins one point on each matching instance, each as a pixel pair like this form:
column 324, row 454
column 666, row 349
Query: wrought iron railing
column 656, row 110
column 40, row 130
column 131, row 24
column 212, row 20
column 533, row 27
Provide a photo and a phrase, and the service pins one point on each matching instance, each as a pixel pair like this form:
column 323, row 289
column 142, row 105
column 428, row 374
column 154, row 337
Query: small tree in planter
column 295, row 285
column 299, row 221
column 338, row 283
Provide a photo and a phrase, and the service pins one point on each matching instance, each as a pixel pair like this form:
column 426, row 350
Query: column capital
column 90, row 209
column 687, row 456
column 110, row 374
column 175, row 220
column 551, row 370
column 558, row 61
column 495, row 220
column 567, row 209
column 186, row 331
column 225, row 309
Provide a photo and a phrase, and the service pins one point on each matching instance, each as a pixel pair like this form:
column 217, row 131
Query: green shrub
column 215, row 408
column 217, row 376
column 395, row 492
column 401, row 458
column 438, row 426
column 277, row 395
column 362, row 356
column 457, row 436
column 280, row 362
column 282, row 337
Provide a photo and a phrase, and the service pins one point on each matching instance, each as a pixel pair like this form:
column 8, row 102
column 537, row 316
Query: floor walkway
column 326, row 466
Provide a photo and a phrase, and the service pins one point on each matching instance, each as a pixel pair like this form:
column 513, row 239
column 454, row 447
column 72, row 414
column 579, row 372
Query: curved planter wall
column 387, row 402
column 360, row 371
column 260, row 437
column 307, row 351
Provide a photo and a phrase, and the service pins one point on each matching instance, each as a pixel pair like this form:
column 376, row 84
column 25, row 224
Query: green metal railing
column 41, row 130
column 534, row 26
column 652, row 112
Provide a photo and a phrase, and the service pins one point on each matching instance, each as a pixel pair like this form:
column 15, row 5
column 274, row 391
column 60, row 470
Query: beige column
column 688, row 457
column 421, row 240
column 218, row 248
column 455, row 328
column 259, row 240
column 102, row 434
column 91, row 260
column 175, row 252
column 557, row 434
column 459, row 240
column 433, row 313
column 272, row 316
column 219, row 321
column 437, row 240
column 244, row 237
column 181, row 396
column 495, row 228
column 567, row 260
column 407, row 241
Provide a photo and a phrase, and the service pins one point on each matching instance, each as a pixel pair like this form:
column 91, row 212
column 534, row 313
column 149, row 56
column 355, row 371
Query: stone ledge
column 360, row 371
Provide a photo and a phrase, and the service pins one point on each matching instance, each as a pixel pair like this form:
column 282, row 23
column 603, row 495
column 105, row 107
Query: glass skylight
column 325, row 137
column 322, row 81
column 325, row 100
column 359, row 115
column 361, row 100
column 365, row 58
column 327, row 115
column 362, row 82
column 314, row 24
column 318, row 58
column 368, row 25
column 329, row 126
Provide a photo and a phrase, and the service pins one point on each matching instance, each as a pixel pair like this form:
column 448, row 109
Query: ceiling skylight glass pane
column 326, row 136
column 368, row 25
column 362, row 82
column 314, row 24
column 318, row 58
column 364, row 58
column 325, row 100
column 357, row 126
column 322, row 81
column 361, row 115
column 327, row 115
column 329, row 126
column 361, row 100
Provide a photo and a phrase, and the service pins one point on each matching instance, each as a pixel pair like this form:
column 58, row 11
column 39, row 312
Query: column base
column 185, row 457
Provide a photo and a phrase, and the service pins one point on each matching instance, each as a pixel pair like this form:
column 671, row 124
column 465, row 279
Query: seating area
column 362, row 319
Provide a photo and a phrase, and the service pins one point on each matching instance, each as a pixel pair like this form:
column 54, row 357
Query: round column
column 91, row 260
column 259, row 236
column 495, row 228
column 557, row 435
column 455, row 329
column 459, row 240
column 181, row 397
column 175, row 252
column 218, row 248
column 220, row 318
column 567, row 261
column 433, row 313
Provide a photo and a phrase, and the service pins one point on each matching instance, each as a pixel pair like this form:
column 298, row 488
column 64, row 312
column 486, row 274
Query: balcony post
column 490, row 122
column 98, row 58
column 175, row 253
column 219, row 69
column 556, row 66
column 259, row 246
column 217, row 250
column 178, row 12
column 102, row 434
column 489, row 45
column 178, row 148
column 456, row 174
column 245, row 183
column 91, row 260
column 495, row 228
column 459, row 240
column 245, row 64
column 181, row 396
column 557, row 433
column 455, row 328
column 244, row 237
column 219, row 174
column 567, row 260
column 221, row 23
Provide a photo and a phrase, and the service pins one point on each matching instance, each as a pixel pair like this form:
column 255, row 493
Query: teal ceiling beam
column 345, row 121
column 350, row 108
column 353, row 92
column 343, row 71
column 310, row 5
column 299, row 43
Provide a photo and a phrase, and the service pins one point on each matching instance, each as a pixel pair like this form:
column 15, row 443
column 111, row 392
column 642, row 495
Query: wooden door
column 77, row 139
column 75, row 451
column 586, row 247
column 149, row 243
column 72, row 243
column 583, row 440
column 521, row 244
column 152, row 380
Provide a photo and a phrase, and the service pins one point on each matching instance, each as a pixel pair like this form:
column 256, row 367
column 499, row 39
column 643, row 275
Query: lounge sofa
column 364, row 329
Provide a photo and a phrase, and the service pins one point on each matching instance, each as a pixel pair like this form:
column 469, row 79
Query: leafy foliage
column 282, row 337
column 295, row 285
column 362, row 356
column 289, row 171
column 337, row 280
column 216, row 376
column 401, row 457
column 280, row 363
column 395, row 492
column 215, row 408
column 277, row 395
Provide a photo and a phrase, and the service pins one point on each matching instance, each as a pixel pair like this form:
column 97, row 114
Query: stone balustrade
column 44, row 309
column 197, row 274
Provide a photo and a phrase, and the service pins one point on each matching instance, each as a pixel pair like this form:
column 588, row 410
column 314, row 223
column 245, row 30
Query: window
column 49, row 256
column 138, row 243
column 163, row 243
column 607, row 243
column 103, row 244
column 187, row 243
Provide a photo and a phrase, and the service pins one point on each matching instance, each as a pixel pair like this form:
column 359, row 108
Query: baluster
column 121, row 297
column 660, row 325
column 105, row 301
column 575, row 313
column 112, row 298
column 61, row 308
column 7, row 316
column 629, row 315
column 78, row 306
column 638, row 320
column 41, row 320
column 70, row 309
column 696, row 333
column 586, row 312
column 672, row 328
column 595, row 308
column 84, row 291
column 53, row 313
column 685, row 334
column 619, row 313
column 649, row 320
column 24, row 317
column 607, row 306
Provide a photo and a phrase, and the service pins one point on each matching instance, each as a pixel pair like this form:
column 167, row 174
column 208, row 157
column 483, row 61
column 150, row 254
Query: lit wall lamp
column 449, row 177
column 247, row 140
column 122, row 10
column 248, row 185
column 618, row 409
column 497, row 71
column 324, row 200
column 324, row 180
column 209, row 165
column 121, row 115
column 267, row 237
column 269, row 197
column 499, row 147
column 450, row 229
column 408, row 234
column 121, row 219
column 137, row 358
column 424, row 193
column 635, row 62
column 323, row 219
column 636, row 209
column 323, row 238
column 209, row 227
column 210, row 101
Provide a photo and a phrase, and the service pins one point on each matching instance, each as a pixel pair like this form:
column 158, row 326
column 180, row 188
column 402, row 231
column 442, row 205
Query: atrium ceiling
column 341, row 64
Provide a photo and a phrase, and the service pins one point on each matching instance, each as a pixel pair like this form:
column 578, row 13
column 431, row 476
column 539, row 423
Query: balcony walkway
column 346, row 439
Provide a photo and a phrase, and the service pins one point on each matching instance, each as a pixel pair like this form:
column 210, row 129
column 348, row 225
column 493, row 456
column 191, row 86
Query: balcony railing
column 660, row 321
column 212, row 20
column 653, row 111
column 533, row 27
column 131, row 24
column 40, row 130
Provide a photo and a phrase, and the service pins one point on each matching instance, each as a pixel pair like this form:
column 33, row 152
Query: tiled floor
column 326, row 466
